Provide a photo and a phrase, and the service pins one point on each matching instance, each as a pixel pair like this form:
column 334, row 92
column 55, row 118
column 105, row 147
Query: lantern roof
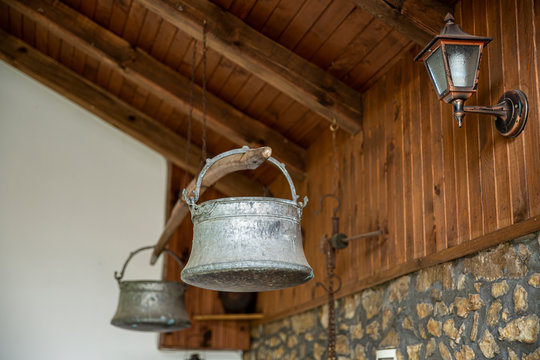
column 452, row 31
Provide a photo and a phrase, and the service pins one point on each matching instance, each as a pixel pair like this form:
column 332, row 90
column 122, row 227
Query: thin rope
column 190, row 116
column 204, row 154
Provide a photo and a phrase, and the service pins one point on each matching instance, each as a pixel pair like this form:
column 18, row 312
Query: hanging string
column 204, row 154
column 190, row 114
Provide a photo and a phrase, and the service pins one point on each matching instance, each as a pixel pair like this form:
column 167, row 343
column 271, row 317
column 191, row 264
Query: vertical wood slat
column 487, row 130
column 471, row 129
column 518, row 184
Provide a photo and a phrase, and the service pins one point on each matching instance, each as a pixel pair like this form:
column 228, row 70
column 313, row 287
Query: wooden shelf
column 211, row 317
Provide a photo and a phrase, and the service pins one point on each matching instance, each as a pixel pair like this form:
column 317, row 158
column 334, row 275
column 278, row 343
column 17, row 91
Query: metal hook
column 336, row 209
column 335, row 276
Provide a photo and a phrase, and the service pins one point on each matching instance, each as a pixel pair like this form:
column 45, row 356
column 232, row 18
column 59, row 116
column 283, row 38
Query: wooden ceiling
column 278, row 72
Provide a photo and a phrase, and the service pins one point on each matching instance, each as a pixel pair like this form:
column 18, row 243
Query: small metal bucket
column 150, row 305
column 245, row 244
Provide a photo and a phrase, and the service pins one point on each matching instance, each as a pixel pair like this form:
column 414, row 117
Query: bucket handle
column 192, row 200
column 119, row 277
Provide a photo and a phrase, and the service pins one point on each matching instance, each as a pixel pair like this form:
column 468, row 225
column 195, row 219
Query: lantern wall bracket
column 452, row 60
column 510, row 112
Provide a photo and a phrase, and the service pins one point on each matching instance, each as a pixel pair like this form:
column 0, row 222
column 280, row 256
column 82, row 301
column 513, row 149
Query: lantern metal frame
column 512, row 108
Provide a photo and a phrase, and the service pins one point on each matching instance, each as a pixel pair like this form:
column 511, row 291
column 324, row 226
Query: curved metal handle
column 119, row 276
column 192, row 200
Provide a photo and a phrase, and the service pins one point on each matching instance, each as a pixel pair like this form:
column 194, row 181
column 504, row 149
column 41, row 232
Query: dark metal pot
column 246, row 244
column 151, row 305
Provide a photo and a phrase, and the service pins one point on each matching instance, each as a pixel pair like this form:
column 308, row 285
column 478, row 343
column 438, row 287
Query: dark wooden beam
column 155, row 77
column 114, row 111
column 419, row 20
column 266, row 59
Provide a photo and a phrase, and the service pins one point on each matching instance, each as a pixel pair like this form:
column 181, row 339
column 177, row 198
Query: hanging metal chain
column 333, row 129
column 330, row 267
column 190, row 115
column 204, row 154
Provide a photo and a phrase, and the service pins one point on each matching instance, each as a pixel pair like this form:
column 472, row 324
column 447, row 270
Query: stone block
column 424, row 310
column 342, row 344
column 430, row 347
column 534, row 280
column 494, row 263
column 434, row 327
column 499, row 289
column 474, row 329
column 520, row 299
column 414, row 351
column 372, row 301
column 488, row 346
column 398, row 289
column 373, row 330
column 303, row 322
column 357, row 331
column 450, row 329
column 359, row 353
column 445, row 352
column 466, row 353
column 390, row 340
column 524, row 329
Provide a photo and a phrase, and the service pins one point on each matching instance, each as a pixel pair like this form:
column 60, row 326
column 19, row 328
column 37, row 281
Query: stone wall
column 482, row 306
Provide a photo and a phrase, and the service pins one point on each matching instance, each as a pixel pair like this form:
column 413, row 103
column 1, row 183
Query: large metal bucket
column 150, row 305
column 246, row 244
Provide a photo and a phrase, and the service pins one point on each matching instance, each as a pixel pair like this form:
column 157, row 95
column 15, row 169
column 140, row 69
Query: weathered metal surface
column 151, row 305
column 246, row 244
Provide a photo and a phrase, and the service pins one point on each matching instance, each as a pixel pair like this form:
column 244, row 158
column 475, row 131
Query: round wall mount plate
column 517, row 116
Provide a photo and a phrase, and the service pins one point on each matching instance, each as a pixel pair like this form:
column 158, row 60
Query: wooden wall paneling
column 260, row 12
column 119, row 14
column 518, row 177
column 42, row 38
column 103, row 73
column 437, row 163
column 164, row 38
column 428, row 159
column 397, row 173
column 15, row 22
column 4, row 17
column 280, row 18
column 308, row 14
column 103, row 12
column 179, row 46
column 244, row 96
column 415, row 139
column 236, row 80
column 116, row 81
column 341, row 37
column 407, row 162
column 78, row 61
column 326, row 24
column 533, row 132
column 502, row 178
column 66, row 55
column 134, row 22
column 486, row 128
column 139, row 98
column 91, row 65
column 151, row 25
column 418, row 176
column 88, row 8
column 152, row 105
column 343, row 63
column 28, row 30
column 391, row 43
column 471, row 129
column 461, row 159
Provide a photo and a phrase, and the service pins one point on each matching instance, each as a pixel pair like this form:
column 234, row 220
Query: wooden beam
column 266, row 59
column 419, row 20
column 113, row 110
column 157, row 78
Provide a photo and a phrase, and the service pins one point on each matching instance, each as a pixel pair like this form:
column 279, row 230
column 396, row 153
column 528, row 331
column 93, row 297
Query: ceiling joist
column 418, row 20
column 157, row 78
column 298, row 78
column 114, row 111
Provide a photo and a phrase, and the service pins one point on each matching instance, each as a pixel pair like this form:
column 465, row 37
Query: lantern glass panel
column 463, row 63
column 435, row 66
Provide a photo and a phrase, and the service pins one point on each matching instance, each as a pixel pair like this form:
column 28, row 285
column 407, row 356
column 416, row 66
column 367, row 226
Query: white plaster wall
column 76, row 196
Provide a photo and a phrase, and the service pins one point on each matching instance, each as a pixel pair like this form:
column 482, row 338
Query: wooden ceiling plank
column 418, row 20
column 140, row 68
column 281, row 68
column 112, row 110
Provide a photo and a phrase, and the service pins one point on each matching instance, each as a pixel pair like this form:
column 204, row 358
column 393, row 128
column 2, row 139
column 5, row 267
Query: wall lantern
column 452, row 59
